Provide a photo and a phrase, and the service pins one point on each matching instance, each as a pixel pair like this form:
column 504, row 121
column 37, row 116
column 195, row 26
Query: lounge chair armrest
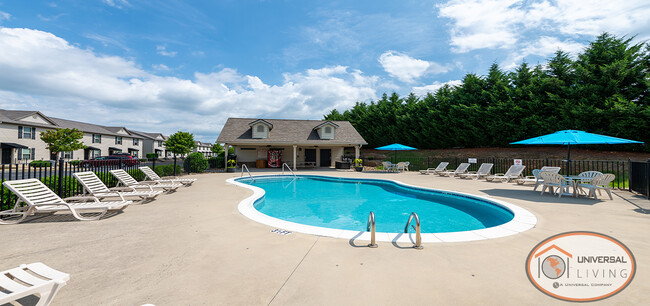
column 121, row 189
column 148, row 182
column 75, row 198
column 169, row 177
column 502, row 174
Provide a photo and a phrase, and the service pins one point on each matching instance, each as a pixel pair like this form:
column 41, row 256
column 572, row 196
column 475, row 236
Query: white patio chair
column 600, row 182
column 31, row 279
column 513, row 172
column 462, row 168
column 152, row 175
column 41, row 199
column 535, row 178
column 403, row 166
column 388, row 166
column 588, row 175
column 95, row 187
column 553, row 180
column 483, row 171
column 441, row 167
column 127, row 180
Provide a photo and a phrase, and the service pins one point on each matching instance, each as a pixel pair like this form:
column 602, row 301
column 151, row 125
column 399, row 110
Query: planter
column 230, row 169
column 359, row 169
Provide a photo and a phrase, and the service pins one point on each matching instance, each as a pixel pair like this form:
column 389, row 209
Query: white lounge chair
column 153, row 176
column 514, row 172
column 483, row 171
column 127, row 180
column 95, row 187
column 31, row 279
column 388, row 166
column 553, row 180
column 41, row 199
column 600, row 182
column 462, row 168
column 535, row 178
column 403, row 166
column 441, row 167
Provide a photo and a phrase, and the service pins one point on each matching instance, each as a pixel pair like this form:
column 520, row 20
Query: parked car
column 123, row 159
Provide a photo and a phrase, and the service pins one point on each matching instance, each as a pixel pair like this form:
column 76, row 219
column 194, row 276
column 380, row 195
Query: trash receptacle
column 260, row 163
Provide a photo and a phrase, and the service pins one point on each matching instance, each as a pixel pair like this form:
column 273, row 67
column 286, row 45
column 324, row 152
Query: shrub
column 143, row 160
column 40, row 163
column 74, row 162
column 216, row 162
column 107, row 178
column 195, row 162
column 8, row 199
column 167, row 170
column 151, row 156
column 136, row 174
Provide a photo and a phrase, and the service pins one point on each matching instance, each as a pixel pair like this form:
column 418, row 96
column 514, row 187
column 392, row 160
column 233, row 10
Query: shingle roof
column 238, row 131
column 13, row 116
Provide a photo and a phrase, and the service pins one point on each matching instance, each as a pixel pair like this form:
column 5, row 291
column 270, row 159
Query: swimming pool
column 339, row 207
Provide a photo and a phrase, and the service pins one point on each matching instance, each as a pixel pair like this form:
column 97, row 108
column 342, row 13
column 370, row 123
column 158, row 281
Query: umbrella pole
column 568, row 160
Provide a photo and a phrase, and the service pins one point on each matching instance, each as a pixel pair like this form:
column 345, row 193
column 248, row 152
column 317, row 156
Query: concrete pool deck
column 193, row 247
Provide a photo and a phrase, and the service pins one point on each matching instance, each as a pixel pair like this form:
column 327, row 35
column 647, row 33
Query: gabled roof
column 152, row 136
column 326, row 123
column 238, row 131
column 263, row 122
column 15, row 116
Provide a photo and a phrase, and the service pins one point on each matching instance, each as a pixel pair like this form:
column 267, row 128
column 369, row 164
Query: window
column 97, row 138
column 136, row 142
column 260, row 128
column 118, row 140
column 160, row 143
column 328, row 129
column 26, row 132
column 67, row 154
column 24, row 154
column 95, row 153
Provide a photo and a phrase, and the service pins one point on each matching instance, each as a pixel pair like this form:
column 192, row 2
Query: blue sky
column 164, row 66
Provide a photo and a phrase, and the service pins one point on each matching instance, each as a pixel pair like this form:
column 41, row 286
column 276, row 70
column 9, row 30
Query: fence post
column 153, row 165
column 174, row 164
column 629, row 174
column 60, row 178
column 428, row 162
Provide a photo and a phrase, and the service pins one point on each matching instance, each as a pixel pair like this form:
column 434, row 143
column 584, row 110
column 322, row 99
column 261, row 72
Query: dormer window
column 326, row 130
column 260, row 128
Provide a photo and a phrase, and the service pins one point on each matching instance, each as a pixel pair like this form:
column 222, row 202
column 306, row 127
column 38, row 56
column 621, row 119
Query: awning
column 132, row 149
column 91, row 148
column 115, row 149
column 11, row 145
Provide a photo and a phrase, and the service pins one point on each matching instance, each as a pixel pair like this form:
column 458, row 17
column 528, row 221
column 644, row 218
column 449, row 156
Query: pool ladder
column 418, row 237
column 371, row 228
column 288, row 167
column 243, row 166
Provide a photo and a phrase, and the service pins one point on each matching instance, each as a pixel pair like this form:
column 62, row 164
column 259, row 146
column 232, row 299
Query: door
column 310, row 155
column 325, row 157
column 6, row 156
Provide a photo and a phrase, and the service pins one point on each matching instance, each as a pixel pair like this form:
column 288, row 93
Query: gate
column 640, row 177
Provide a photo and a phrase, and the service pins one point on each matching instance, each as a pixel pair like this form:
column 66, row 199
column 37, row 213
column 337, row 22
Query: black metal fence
column 619, row 168
column 640, row 177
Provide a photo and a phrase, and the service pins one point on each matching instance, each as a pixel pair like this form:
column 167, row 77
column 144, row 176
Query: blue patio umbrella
column 569, row 137
column 395, row 147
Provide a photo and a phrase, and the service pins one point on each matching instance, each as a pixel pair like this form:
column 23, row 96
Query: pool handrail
column 418, row 237
column 371, row 228
column 288, row 167
column 243, row 166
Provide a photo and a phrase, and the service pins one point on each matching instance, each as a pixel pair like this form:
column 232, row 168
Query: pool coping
column 523, row 220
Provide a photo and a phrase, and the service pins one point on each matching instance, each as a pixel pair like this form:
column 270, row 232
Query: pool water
column 343, row 203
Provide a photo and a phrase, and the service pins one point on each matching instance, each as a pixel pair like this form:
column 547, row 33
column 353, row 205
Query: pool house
column 265, row 143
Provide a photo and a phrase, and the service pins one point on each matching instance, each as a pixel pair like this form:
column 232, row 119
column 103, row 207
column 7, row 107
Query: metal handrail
column 243, row 166
column 371, row 228
column 418, row 238
column 288, row 167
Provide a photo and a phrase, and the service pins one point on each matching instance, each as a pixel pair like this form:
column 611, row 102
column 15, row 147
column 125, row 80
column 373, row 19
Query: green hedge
column 136, row 174
column 74, row 162
column 40, row 163
column 152, row 156
column 195, row 163
column 167, row 170
column 70, row 185
column 217, row 161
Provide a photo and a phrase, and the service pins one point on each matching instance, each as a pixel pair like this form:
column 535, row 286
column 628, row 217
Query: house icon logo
column 580, row 266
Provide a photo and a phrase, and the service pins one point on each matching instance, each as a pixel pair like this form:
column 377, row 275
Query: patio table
column 575, row 180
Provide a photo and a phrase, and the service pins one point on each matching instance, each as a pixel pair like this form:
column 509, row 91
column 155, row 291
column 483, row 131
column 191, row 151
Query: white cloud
column 117, row 3
column 44, row 72
column 162, row 50
column 160, row 67
column 4, row 16
column 545, row 46
column 494, row 24
column 408, row 69
column 421, row 91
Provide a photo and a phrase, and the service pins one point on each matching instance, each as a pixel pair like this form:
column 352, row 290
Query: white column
column 294, row 157
column 356, row 151
column 225, row 153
